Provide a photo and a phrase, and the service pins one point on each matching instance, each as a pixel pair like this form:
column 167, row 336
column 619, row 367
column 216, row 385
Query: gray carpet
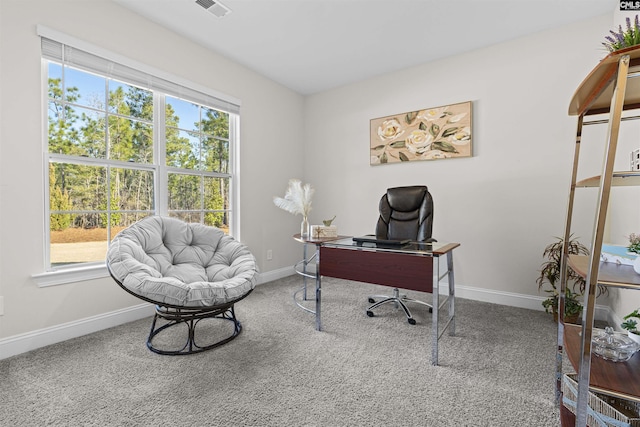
column 497, row 371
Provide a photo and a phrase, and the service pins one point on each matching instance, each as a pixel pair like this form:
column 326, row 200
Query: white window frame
column 194, row 92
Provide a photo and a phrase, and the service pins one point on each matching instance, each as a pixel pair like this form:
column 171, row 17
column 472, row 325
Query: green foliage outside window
column 116, row 127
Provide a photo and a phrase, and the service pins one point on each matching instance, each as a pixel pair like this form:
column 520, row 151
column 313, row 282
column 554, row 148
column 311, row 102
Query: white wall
column 508, row 201
column 269, row 156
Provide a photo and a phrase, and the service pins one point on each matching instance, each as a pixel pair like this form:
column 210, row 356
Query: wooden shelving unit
column 610, row 88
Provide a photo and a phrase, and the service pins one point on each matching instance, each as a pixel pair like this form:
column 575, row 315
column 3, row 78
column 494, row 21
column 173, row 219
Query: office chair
column 405, row 213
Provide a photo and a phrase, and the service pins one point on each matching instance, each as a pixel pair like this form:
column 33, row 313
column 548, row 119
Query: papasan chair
column 193, row 273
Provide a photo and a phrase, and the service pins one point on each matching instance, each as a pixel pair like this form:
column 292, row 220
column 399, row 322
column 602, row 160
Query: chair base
column 191, row 317
column 399, row 301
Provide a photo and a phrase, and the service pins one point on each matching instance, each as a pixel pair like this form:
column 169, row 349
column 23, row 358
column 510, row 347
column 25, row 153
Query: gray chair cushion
column 169, row 261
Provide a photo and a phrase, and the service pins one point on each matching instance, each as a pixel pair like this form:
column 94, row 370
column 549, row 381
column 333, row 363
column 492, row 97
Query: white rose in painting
column 456, row 118
column 433, row 114
column 418, row 141
column 436, row 154
column 390, row 129
column 461, row 137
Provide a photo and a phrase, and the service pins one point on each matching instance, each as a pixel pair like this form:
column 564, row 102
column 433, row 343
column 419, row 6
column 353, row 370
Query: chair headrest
column 406, row 199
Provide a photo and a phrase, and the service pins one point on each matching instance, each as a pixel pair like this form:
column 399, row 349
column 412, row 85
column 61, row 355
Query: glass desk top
column 417, row 248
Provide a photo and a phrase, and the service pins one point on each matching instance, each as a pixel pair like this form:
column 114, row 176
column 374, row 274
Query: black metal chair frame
column 191, row 316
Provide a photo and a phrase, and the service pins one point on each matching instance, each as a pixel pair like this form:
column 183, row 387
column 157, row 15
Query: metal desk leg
column 436, row 305
column 451, row 318
column 304, row 270
column 318, row 291
column 452, row 294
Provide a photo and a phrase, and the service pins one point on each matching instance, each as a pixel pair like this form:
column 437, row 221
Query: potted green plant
column 631, row 325
column 550, row 275
column 572, row 305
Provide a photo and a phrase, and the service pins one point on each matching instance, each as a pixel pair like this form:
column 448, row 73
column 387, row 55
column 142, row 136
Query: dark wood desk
column 414, row 266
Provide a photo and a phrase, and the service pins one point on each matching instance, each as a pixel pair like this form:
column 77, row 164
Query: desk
column 414, row 266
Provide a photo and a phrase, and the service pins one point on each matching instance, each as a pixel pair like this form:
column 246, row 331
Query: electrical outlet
column 269, row 254
column 1, row 306
column 635, row 160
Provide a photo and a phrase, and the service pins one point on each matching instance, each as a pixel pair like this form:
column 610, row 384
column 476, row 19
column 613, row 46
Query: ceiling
column 314, row 45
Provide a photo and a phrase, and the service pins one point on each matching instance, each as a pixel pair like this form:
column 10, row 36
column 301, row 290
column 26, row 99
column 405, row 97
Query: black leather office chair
column 405, row 213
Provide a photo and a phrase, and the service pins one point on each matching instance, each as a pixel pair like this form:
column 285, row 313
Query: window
column 123, row 144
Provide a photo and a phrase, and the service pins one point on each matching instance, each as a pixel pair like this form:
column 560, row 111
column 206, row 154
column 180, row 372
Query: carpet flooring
column 497, row 371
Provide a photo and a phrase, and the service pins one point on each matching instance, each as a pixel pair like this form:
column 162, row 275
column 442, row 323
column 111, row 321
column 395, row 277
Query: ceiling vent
column 214, row 7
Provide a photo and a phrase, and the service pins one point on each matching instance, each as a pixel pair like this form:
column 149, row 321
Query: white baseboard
column 516, row 300
column 22, row 343
column 272, row 275
column 32, row 340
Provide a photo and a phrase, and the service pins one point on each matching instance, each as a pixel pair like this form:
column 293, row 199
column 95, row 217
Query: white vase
column 636, row 265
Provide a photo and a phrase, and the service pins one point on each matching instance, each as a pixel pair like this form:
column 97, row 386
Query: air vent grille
column 214, row 7
column 206, row 3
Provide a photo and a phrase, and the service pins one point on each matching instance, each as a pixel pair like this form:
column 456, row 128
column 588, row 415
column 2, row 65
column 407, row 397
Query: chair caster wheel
column 430, row 310
column 369, row 313
column 411, row 321
column 371, row 300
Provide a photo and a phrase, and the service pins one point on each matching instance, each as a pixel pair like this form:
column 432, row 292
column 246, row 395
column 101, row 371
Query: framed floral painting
column 429, row 134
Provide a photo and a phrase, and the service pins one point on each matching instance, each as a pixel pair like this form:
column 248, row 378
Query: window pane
column 216, row 202
column 87, row 89
column 215, row 123
column 182, row 114
column 184, row 192
column 76, row 131
column 55, row 73
column 77, row 188
column 183, row 150
column 130, row 140
column 215, row 155
column 130, row 101
column 76, row 244
column 131, row 190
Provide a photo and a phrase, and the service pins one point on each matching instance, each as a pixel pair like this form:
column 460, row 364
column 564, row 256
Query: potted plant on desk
column 550, row 275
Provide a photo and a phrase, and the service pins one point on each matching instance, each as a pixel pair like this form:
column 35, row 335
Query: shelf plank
column 621, row 379
column 594, row 94
column 609, row 274
column 619, row 179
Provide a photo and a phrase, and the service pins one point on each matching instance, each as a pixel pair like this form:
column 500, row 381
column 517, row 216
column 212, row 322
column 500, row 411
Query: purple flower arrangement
column 623, row 38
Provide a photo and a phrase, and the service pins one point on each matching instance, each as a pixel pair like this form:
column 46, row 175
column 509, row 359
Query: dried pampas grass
column 297, row 199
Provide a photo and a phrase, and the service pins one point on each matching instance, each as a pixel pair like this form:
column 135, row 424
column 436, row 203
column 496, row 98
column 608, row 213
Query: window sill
column 71, row 275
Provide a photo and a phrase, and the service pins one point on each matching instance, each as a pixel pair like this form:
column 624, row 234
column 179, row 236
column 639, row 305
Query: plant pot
column 568, row 318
